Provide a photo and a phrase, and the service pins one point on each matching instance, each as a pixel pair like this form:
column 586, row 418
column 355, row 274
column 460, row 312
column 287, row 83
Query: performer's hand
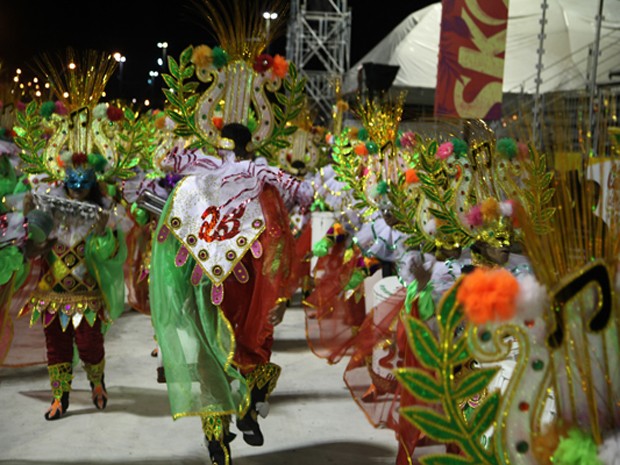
column 276, row 314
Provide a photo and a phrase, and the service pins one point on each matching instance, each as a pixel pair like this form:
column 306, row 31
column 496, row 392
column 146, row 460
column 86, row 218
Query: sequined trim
column 215, row 426
column 262, row 375
column 69, row 307
column 61, row 376
column 94, row 372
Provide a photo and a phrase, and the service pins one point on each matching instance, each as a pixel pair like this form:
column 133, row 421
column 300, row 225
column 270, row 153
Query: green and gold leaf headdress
column 101, row 136
column 239, row 76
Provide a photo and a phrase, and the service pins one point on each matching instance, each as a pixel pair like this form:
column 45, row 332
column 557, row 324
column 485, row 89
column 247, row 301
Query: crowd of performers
column 428, row 261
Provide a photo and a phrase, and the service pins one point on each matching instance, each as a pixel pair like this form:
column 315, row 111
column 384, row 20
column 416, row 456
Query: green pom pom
column 220, row 57
column 577, row 449
column 362, row 134
column 507, row 147
column 356, row 279
column 372, row 147
column 382, row 188
column 47, row 109
column 321, row 248
column 459, row 147
column 97, row 161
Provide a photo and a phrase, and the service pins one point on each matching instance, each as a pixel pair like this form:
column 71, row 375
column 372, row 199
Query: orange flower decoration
column 488, row 295
column 490, row 209
column 360, row 149
column 280, row 66
column 411, row 176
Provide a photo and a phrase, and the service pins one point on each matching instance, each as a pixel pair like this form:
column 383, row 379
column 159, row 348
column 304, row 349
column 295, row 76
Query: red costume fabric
column 272, row 278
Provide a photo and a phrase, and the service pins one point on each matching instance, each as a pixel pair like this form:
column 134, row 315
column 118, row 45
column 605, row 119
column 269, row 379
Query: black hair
column 241, row 136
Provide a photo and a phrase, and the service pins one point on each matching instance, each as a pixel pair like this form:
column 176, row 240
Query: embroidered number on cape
column 214, row 229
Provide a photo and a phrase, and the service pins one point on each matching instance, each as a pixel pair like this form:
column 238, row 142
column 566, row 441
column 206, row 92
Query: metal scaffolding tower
column 318, row 41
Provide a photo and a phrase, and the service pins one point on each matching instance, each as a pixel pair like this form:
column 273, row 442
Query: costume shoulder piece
column 212, row 229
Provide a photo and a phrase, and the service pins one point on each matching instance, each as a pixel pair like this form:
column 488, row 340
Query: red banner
column 471, row 58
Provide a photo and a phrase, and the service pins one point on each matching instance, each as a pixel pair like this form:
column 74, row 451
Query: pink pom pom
column 474, row 216
column 445, row 150
column 60, row 109
column 407, row 140
column 522, row 150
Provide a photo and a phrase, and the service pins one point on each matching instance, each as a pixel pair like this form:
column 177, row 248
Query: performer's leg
column 216, row 429
column 89, row 340
column 261, row 381
column 59, row 357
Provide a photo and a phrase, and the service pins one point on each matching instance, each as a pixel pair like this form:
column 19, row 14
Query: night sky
column 134, row 27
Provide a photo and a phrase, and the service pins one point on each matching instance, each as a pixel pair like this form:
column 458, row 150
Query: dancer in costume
column 227, row 229
column 232, row 247
column 81, row 290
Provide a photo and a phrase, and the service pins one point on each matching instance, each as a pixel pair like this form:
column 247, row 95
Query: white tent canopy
column 414, row 46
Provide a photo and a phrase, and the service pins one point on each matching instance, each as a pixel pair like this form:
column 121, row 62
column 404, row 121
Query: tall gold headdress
column 83, row 130
column 239, row 75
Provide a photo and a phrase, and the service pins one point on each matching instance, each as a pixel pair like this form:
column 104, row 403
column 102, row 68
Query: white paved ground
column 313, row 420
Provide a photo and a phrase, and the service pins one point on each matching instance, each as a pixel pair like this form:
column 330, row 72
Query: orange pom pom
column 411, row 176
column 488, row 295
column 280, row 66
column 490, row 209
column 360, row 149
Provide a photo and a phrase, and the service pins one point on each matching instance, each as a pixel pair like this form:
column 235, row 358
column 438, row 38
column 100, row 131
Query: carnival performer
column 227, row 231
column 81, row 288
column 227, row 228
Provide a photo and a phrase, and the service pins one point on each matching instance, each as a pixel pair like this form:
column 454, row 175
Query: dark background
column 133, row 28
